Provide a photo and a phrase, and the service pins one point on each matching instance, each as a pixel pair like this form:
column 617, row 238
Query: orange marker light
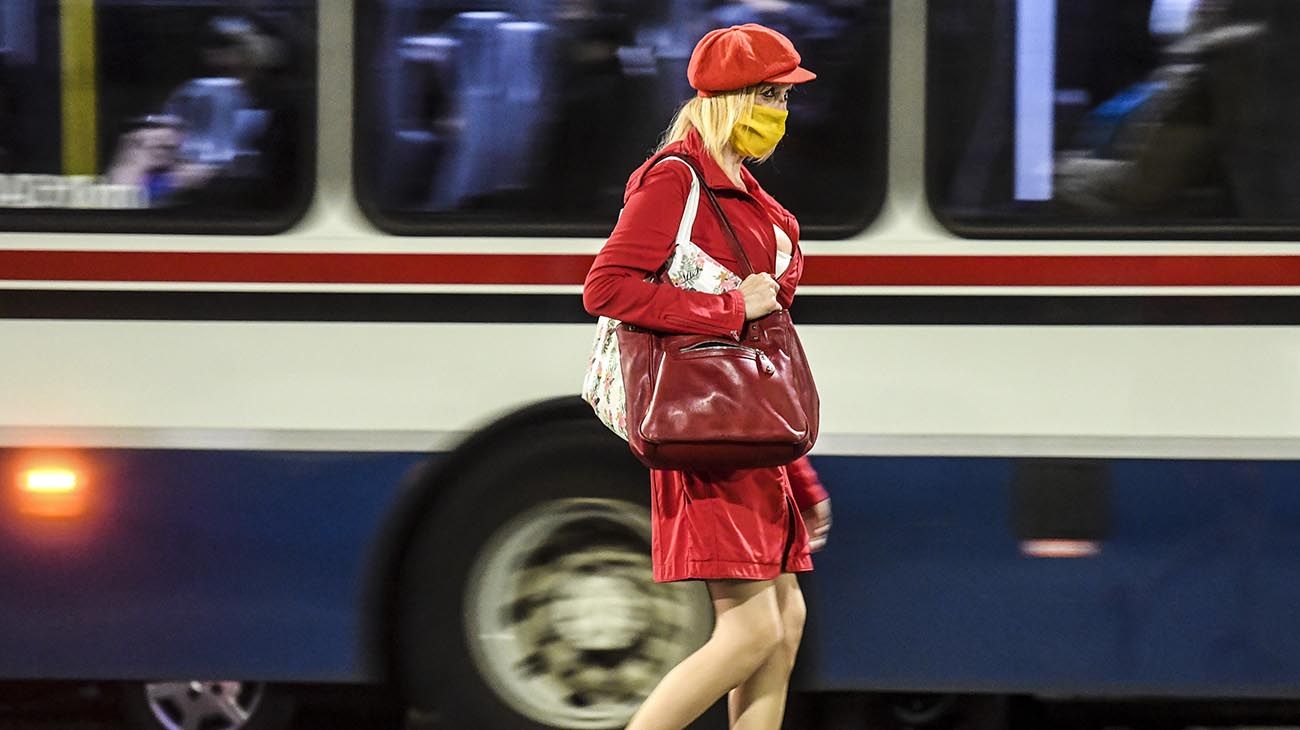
column 50, row 481
column 55, row 493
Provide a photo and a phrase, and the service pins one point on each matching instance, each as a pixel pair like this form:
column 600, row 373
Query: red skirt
column 740, row 525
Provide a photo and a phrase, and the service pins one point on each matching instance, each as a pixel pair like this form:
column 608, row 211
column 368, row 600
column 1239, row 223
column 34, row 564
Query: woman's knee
column 761, row 636
column 751, row 633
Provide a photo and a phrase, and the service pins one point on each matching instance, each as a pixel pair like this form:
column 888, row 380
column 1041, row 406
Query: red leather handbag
column 708, row 403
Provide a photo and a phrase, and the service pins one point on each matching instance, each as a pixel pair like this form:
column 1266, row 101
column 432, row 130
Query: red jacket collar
column 714, row 177
column 693, row 146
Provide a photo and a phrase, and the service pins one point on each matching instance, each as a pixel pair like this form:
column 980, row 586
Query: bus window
column 1160, row 119
column 521, row 117
column 157, row 115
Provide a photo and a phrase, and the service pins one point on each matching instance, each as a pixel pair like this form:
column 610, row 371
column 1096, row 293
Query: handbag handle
column 727, row 230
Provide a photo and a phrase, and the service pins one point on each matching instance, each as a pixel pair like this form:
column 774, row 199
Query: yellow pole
column 80, row 114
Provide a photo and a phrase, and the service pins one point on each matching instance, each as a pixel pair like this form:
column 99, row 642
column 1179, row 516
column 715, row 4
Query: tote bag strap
column 692, row 204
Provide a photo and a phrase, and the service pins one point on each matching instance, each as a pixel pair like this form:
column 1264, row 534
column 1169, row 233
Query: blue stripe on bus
column 257, row 565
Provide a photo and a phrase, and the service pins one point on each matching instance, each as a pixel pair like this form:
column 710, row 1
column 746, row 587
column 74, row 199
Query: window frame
column 451, row 224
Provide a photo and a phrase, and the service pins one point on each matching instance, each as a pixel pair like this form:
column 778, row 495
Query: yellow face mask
column 760, row 132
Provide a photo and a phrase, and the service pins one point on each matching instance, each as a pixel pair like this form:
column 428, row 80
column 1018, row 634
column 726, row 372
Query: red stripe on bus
column 293, row 268
column 542, row 269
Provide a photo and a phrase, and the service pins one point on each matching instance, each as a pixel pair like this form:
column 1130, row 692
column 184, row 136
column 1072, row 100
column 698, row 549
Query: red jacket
column 739, row 525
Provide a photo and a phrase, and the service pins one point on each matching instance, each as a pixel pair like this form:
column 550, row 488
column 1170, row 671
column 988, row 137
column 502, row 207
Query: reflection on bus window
column 170, row 109
column 513, row 112
column 1096, row 112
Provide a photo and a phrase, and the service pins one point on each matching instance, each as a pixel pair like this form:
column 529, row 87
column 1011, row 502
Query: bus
column 291, row 338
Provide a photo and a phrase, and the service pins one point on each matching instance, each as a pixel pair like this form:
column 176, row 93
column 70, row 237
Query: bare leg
column 747, row 630
column 758, row 703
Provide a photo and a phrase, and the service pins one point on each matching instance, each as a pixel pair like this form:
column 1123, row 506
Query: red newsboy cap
column 729, row 59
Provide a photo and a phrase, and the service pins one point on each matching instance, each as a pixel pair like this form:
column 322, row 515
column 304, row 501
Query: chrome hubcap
column 565, row 621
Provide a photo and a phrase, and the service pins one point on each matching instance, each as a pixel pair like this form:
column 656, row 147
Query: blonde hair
column 713, row 117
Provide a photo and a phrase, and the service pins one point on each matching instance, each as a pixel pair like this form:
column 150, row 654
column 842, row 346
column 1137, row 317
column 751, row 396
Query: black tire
column 918, row 711
column 166, row 705
column 567, row 500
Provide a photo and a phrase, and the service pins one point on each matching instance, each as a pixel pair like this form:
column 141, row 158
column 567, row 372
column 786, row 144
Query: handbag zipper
column 760, row 357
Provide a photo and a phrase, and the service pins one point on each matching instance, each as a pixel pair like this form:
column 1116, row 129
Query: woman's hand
column 817, row 519
column 760, row 295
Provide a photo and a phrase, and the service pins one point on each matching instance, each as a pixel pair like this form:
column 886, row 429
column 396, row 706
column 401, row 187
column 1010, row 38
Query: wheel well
column 420, row 493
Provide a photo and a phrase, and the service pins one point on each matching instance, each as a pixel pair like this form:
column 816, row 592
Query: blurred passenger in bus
column 734, row 531
column 236, row 121
column 226, row 118
column 1153, row 141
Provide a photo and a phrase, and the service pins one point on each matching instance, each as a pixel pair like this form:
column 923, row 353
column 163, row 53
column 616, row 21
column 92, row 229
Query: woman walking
column 744, row 533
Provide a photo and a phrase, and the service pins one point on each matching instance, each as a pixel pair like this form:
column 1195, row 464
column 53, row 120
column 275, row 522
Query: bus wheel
column 527, row 601
column 920, row 711
column 206, row 705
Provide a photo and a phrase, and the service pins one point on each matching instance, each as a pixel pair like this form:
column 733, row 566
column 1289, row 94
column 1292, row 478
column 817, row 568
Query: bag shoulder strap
column 727, row 230
column 692, row 203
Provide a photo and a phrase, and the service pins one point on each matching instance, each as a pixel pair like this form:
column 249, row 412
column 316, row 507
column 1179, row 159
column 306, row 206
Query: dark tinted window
column 156, row 115
column 527, row 117
column 1159, row 118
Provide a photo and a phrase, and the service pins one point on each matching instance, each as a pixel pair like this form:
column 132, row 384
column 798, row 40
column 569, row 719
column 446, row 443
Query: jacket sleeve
column 805, row 484
column 642, row 241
